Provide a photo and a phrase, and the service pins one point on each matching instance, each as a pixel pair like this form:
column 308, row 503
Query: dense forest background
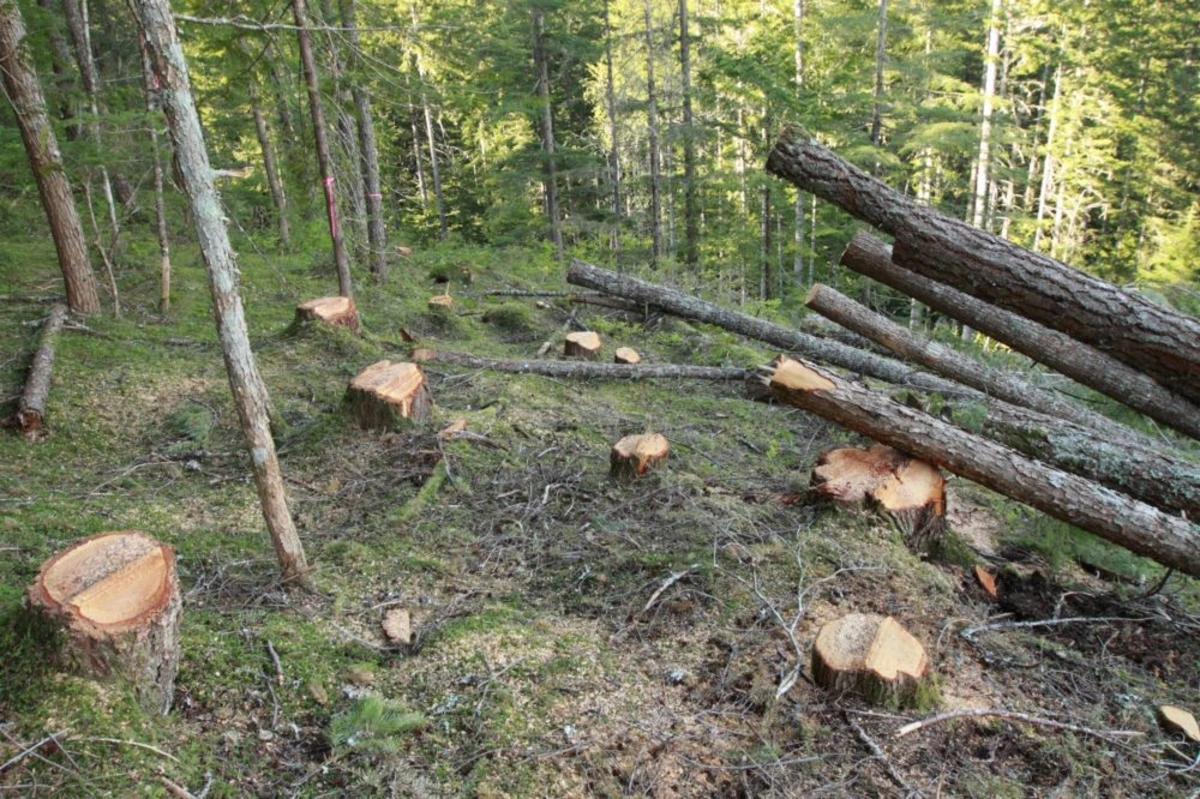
column 633, row 133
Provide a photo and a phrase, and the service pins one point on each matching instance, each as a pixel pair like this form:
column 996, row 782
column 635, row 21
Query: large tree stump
column 389, row 393
column 582, row 345
column 336, row 311
column 871, row 655
column 115, row 599
column 909, row 491
column 633, row 456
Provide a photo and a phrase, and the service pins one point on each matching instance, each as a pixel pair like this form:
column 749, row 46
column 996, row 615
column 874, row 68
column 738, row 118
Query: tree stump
column 114, row 597
column 582, row 345
column 872, row 655
column 388, row 394
column 910, row 491
column 627, row 355
column 633, row 456
column 336, row 311
column 440, row 302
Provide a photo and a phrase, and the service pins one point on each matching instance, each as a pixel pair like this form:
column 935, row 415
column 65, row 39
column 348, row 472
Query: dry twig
column 881, row 756
column 1013, row 716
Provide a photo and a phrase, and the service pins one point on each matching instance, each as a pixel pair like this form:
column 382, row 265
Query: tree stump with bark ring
column 871, row 655
column 336, row 311
column 114, row 598
column 388, row 394
column 633, row 456
column 626, row 355
column 582, row 345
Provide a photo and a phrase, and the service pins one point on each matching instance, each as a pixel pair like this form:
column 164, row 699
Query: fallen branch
column 672, row 578
column 31, row 407
column 971, row 632
column 1014, row 716
column 582, row 369
column 876, row 750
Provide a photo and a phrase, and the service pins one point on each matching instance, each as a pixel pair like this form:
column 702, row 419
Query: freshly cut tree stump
column 440, row 302
column 627, row 355
column 389, row 393
column 910, row 491
column 115, row 598
column 633, row 456
column 582, row 345
column 337, row 311
column 872, row 655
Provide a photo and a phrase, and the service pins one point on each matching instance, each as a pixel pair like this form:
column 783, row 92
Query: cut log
column 337, row 311
column 870, row 655
column 1135, row 525
column 869, row 256
column 584, row 370
column 388, row 394
column 910, row 491
column 114, row 599
column 1153, row 339
column 833, row 352
column 582, row 345
column 627, row 355
column 633, row 456
column 31, row 406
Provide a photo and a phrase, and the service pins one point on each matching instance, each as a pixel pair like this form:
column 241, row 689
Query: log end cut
column 633, row 456
column 115, row 596
column 873, row 656
column 784, row 376
column 582, row 345
column 335, row 311
column 388, row 394
column 626, row 355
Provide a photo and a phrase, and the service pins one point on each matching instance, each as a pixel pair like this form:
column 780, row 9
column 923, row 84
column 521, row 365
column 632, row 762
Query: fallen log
column 961, row 368
column 1135, row 525
column 833, row 352
column 869, row 256
column 31, row 406
column 1151, row 338
column 583, row 369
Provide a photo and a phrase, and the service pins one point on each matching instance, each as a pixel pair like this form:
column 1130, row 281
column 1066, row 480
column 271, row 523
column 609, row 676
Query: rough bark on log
column 872, row 655
column 583, row 369
column 869, row 256
column 336, row 311
column 833, row 352
column 582, row 345
column 31, row 407
column 115, row 599
column 961, row 368
column 1135, row 525
column 1151, row 338
column 389, row 393
column 626, row 355
column 633, row 456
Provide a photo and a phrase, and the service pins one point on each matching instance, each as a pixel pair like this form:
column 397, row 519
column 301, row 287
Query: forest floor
column 572, row 636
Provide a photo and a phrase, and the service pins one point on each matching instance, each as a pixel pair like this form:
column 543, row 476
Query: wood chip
column 987, row 580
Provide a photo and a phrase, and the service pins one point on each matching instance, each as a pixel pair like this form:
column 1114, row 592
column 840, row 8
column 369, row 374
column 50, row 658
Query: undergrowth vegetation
column 571, row 636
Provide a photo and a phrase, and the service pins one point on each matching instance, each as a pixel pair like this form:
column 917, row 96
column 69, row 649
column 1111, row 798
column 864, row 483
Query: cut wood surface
column 869, row 256
column 338, row 311
column 388, row 393
column 872, row 655
column 115, row 598
column 910, row 491
column 1135, row 525
column 626, row 355
column 31, row 406
column 584, row 344
column 1151, row 338
column 1178, row 721
column 441, row 302
column 633, row 456
column 832, row 352
column 583, row 369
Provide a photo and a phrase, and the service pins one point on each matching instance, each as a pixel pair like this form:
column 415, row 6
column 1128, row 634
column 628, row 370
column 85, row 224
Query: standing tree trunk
column 376, row 235
column 691, row 204
column 798, row 229
column 435, row 171
column 347, row 138
column 656, row 243
column 29, row 106
column 274, row 183
column 546, row 132
column 880, row 58
column 160, row 210
column 249, row 392
column 614, row 153
column 324, row 160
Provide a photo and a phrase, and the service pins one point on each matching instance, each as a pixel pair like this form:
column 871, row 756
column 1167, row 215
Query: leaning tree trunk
column 29, row 106
column 249, row 392
column 584, row 370
column 1160, row 342
column 324, row 159
column 1139, row 527
column 869, row 256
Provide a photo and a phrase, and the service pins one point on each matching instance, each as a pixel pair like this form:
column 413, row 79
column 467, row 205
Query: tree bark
column 324, row 159
column 160, row 208
column 278, row 197
column 869, row 256
column 691, row 203
column 29, row 106
column 1151, row 338
column 656, row 243
column 877, row 95
column 31, row 407
column 1141, row 528
column 376, row 234
column 546, row 131
column 584, row 370
column 249, row 392
column 583, row 274
column 614, row 153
